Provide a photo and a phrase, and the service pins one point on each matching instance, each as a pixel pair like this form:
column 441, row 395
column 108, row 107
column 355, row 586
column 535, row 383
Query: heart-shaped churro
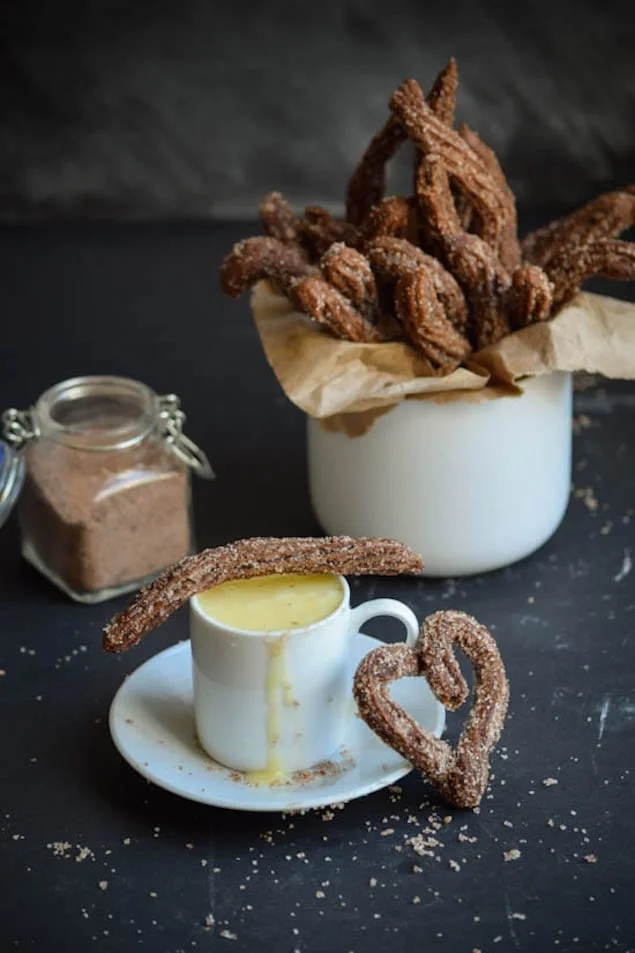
column 459, row 774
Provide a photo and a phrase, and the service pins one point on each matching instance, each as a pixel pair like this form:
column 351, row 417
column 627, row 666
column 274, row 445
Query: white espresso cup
column 277, row 702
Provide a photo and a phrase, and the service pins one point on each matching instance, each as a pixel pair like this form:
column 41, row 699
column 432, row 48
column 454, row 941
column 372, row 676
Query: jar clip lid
column 171, row 420
column 18, row 427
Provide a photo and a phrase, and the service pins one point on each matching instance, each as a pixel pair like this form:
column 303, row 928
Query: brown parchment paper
column 347, row 386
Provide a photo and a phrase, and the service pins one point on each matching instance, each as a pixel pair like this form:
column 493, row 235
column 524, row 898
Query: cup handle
column 390, row 607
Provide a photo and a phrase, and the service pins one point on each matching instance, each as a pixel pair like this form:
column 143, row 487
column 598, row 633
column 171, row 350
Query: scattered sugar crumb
column 103, row 885
column 228, row 935
column 416, row 899
column 519, row 916
column 549, row 782
column 373, row 881
column 209, row 920
column 512, row 854
column 454, row 865
column 60, row 848
column 581, row 422
column 588, row 497
column 387, row 831
column 83, row 853
column 591, row 858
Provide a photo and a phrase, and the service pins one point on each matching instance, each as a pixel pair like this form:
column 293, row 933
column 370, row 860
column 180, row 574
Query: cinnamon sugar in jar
column 105, row 503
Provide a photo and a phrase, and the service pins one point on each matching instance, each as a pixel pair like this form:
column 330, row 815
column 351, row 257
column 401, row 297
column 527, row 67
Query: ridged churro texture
column 459, row 774
column 470, row 282
column 247, row 558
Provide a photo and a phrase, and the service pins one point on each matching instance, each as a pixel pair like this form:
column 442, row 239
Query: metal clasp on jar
column 19, row 427
column 171, row 420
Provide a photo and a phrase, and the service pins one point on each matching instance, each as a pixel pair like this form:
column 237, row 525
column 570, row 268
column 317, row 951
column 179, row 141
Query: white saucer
column 152, row 725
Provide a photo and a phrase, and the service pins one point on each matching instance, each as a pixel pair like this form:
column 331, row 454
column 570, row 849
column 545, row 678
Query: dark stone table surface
column 94, row 857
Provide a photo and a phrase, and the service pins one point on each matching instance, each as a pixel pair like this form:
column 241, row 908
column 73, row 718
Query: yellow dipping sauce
column 272, row 603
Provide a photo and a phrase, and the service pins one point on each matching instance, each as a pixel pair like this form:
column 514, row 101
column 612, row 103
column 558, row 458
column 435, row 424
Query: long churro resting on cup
column 247, row 558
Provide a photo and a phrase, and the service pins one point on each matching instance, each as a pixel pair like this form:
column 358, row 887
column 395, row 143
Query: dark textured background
column 192, row 108
column 143, row 300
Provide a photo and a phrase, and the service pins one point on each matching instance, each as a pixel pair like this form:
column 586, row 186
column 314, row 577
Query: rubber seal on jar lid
column 11, row 478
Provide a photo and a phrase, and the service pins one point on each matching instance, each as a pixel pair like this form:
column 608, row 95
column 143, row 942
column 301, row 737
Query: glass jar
column 105, row 504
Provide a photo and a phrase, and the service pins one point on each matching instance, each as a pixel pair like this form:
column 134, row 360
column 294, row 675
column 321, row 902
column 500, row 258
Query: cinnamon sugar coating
column 431, row 135
column 367, row 184
column 426, row 324
column 442, row 96
column 391, row 258
column 469, row 258
column 604, row 257
column 319, row 230
column 253, row 259
column 350, row 272
column 461, row 215
column 334, row 311
column 278, row 218
column 529, row 298
column 395, row 216
column 459, row 774
column 246, row 558
column 606, row 216
column 509, row 250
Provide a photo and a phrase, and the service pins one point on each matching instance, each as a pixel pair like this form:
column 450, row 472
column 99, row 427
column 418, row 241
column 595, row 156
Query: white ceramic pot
column 471, row 486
